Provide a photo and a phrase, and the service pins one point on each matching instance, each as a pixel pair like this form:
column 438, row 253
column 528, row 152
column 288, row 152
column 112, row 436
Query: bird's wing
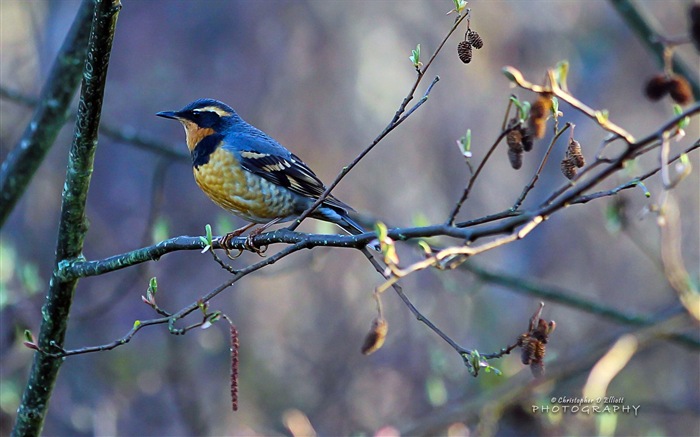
column 265, row 157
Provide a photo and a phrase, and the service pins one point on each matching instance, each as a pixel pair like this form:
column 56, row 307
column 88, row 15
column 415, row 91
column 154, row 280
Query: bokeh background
column 324, row 78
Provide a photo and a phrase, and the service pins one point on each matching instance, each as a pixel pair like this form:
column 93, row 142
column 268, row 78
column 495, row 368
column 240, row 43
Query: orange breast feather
column 241, row 192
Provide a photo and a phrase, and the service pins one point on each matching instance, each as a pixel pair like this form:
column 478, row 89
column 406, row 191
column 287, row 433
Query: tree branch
column 72, row 226
column 78, row 268
column 50, row 115
column 566, row 298
column 125, row 135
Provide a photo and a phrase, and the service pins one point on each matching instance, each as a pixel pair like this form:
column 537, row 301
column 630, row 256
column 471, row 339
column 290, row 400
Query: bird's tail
column 352, row 222
column 350, row 225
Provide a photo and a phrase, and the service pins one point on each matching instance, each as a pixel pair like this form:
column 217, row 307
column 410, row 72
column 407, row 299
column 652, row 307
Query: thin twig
column 241, row 274
column 614, row 164
column 395, row 122
column 555, row 89
column 419, row 316
column 472, row 179
column 536, row 176
column 138, row 325
column 633, row 183
column 453, row 256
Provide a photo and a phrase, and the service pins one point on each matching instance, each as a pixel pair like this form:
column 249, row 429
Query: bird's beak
column 168, row 114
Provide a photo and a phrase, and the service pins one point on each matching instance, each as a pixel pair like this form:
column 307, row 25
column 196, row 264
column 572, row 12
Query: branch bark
column 72, row 227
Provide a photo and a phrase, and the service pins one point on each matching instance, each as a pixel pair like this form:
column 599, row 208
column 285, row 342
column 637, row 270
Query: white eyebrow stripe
column 220, row 112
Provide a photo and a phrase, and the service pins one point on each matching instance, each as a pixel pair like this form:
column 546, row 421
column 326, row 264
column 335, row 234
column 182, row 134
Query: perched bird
column 248, row 173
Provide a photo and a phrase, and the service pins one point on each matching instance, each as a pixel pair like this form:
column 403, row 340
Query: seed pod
column 475, row 39
column 573, row 152
column 568, row 168
column 516, row 158
column 515, row 140
column 538, row 127
column 538, row 115
column 657, row 87
column 542, row 106
column 537, row 364
column 680, row 90
column 529, row 349
column 464, row 50
column 376, row 336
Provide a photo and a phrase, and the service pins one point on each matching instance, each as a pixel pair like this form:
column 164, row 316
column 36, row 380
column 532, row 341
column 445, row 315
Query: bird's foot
column 250, row 245
column 225, row 241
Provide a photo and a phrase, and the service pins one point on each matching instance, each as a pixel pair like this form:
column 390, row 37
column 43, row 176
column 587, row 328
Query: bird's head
column 202, row 118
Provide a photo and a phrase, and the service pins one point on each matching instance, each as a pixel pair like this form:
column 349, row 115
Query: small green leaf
column 152, row 287
column 555, row 106
column 207, row 239
column 523, row 107
column 489, row 368
column 602, row 116
column 684, row 159
column 137, row 323
column 525, row 110
column 28, row 336
column 685, row 121
column 562, row 71
column 203, row 306
column 467, row 143
column 641, row 185
column 460, row 5
column 381, row 230
column 208, row 230
column 415, row 57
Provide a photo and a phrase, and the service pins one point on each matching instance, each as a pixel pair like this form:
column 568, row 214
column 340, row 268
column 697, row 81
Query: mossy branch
column 72, row 227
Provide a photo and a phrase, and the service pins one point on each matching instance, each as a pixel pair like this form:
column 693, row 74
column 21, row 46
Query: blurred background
column 324, row 78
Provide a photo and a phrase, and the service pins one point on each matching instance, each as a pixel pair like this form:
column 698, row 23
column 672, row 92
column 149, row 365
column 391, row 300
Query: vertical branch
column 72, row 227
column 51, row 113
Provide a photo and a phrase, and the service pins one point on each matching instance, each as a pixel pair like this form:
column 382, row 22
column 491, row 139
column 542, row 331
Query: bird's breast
column 241, row 192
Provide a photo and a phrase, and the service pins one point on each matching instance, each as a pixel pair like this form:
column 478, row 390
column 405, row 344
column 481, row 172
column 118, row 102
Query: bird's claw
column 250, row 245
column 225, row 241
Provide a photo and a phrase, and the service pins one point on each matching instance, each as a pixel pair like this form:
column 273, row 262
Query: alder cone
column 464, row 50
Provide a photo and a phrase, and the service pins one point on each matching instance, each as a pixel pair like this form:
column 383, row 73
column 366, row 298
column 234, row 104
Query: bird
column 248, row 173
